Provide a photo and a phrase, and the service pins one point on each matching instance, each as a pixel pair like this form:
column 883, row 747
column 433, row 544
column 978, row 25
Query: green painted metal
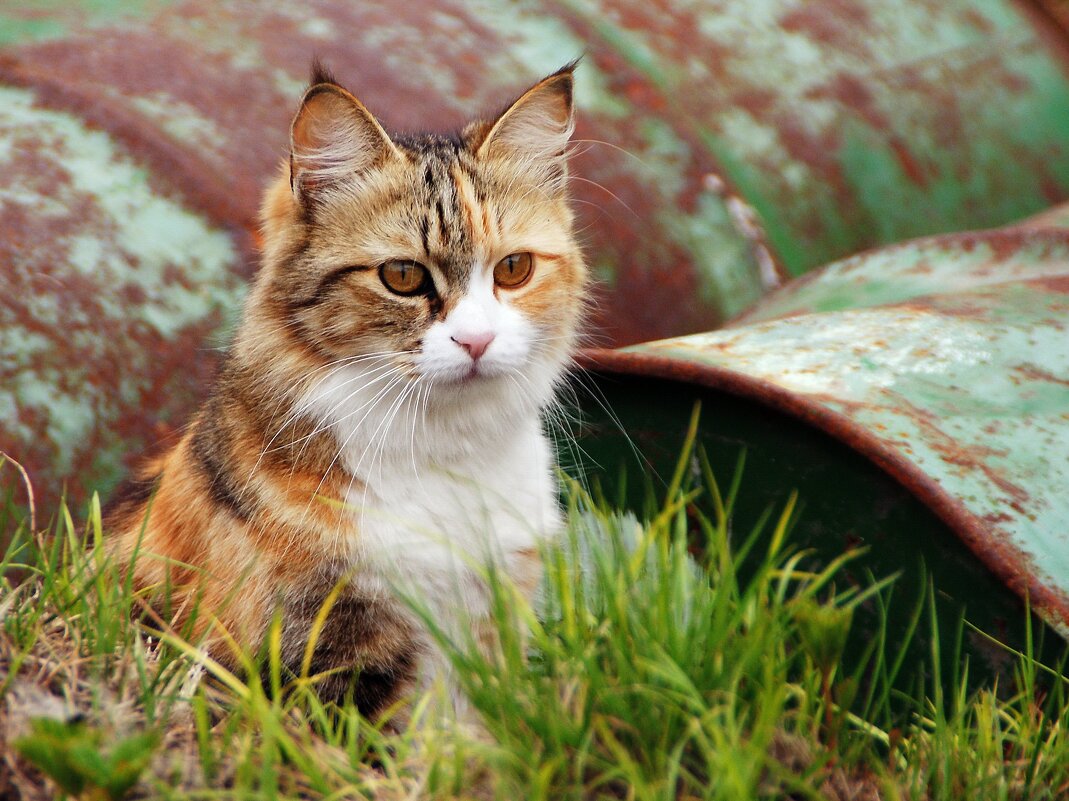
column 110, row 286
column 946, row 362
column 847, row 504
column 848, row 125
column 724, row 145
column 40, row 20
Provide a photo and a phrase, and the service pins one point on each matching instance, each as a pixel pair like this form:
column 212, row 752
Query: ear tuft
column 321, row 74
column 535, row 129
column 334, row 139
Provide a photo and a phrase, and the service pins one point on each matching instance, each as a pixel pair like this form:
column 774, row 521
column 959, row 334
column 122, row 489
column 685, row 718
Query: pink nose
column 475, row 344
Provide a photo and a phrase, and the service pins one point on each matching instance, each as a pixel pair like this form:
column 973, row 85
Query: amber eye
column 405, row 277
column 513, row 271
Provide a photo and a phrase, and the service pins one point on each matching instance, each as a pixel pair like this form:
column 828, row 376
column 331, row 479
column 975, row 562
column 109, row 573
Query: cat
column 376, row 424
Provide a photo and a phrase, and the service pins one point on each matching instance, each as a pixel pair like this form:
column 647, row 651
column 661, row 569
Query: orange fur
column 251, row 511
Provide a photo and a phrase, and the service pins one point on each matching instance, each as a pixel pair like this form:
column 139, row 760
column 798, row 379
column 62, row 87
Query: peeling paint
column 843, row 125
column 105, row 294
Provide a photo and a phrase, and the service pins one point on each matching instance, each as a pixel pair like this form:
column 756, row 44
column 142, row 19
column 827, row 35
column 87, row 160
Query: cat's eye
column 513, row 270
column 405, row 277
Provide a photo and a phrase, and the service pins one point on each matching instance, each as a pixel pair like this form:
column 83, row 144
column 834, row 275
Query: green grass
column 669, row 658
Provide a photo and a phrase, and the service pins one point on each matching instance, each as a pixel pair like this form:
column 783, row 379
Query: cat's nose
column 474, row 343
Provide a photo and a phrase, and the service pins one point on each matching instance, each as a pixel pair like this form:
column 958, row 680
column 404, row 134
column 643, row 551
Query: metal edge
column 1006, row 561
column 1012, row 236
column 1050, row 20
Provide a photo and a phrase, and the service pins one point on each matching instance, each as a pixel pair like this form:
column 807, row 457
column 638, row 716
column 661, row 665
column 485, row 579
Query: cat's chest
column 424, row 517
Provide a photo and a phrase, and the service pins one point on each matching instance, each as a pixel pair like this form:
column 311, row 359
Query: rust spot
column 1053, row 283
column 1033, row 373
column 910, row 166
column 978, row 20
column 839, row 23
column 757, row 100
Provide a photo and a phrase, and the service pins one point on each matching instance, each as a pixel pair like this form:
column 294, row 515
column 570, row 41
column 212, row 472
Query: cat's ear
column 536, row 128
column 333, row 139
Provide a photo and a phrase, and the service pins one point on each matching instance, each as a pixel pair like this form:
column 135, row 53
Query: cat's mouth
column 475, row 372
column 472, row 374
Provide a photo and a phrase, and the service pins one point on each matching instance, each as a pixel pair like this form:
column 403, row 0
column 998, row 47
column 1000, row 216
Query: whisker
column 385, row 372
column 588, row 384
column 623, row 150
column 607, row 191
column 301, row 408
column 384, row 426
column 382, row 393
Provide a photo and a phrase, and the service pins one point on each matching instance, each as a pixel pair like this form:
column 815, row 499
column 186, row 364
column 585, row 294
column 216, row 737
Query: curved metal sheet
column 723, row 146
column 112, row 295
column 727, row 145
column 944, row 360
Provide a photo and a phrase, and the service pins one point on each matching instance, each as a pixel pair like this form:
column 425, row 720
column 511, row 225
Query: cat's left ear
column 536, row 128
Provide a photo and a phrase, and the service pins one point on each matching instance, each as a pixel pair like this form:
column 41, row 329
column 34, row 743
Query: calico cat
column 376, row 422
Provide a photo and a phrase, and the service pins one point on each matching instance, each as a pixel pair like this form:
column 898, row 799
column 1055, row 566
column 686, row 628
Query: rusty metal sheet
column 113, row 293
column 1055, row 11
column 40, row 20
column 944, row 360
column 203, row 92
column 965, row 263
column 722, row 146
column 725, row 145
column 851, row 124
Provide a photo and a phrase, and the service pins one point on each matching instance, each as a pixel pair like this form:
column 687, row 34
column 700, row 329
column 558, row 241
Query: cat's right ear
column 334, row 139
column 536, row 128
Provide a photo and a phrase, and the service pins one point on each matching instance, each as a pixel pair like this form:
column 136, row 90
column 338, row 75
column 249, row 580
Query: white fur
column 452, row 466
column 478, row 312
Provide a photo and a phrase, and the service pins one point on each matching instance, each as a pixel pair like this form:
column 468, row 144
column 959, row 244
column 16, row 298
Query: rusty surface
column 726, row 145
column 1054, row 217
column 850, row 124
column 113, row 293
column 1057, row 11
column 945, row 361
column 722, row 147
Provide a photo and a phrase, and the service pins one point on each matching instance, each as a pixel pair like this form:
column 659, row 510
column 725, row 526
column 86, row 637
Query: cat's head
column 449, row 258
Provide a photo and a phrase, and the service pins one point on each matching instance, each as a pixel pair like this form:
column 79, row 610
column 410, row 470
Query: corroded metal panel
column 39, row 20
column 113, row 293
column 944, row 360
column 849, row 124
column 724, row 145
column 966, row 263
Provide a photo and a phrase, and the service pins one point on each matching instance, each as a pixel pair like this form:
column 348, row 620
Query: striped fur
column 362, row 436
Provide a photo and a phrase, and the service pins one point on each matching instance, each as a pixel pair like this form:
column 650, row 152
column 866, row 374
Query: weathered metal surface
column 946, row 362
column 112, row 294
column 1052, row 218
column 849, row 124
column 39, row 20
column 846, row 504
column 721, row 147
column 1056, row 11
column 755, row 139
